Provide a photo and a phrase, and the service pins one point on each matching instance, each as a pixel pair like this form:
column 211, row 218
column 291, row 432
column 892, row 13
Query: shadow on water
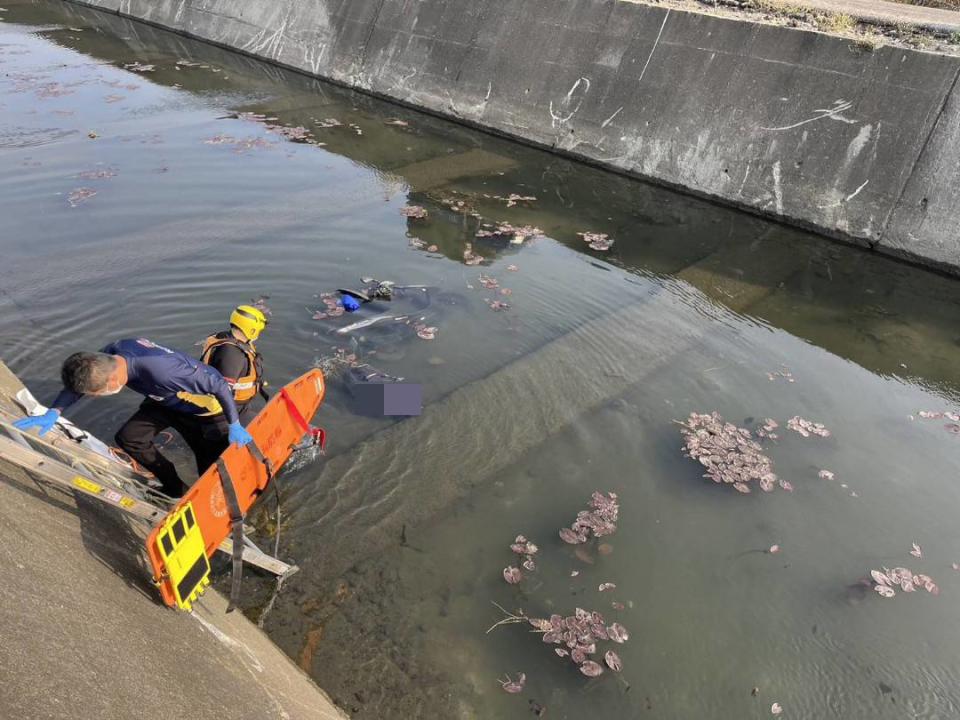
column 878, row 313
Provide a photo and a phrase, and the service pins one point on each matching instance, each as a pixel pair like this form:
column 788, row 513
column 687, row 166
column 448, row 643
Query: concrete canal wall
column 859, row 144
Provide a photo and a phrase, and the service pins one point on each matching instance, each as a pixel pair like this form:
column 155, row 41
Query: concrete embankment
column 858, row 143
column 85, row 637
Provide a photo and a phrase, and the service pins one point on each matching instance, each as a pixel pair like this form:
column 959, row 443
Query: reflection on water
column 149, row 201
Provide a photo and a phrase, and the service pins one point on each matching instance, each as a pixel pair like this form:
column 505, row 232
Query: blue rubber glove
column 44, row 422
column 350, row 303
column 239, row 435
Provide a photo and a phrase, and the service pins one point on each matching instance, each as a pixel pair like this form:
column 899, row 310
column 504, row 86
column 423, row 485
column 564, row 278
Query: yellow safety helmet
column 248, row 320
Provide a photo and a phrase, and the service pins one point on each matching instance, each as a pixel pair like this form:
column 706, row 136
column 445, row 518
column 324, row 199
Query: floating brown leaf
column 613, row 661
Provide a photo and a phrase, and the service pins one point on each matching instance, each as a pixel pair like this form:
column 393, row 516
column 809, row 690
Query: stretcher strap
column 261, row 458
column 236, row 525
column 294, row 411
column 318, row 435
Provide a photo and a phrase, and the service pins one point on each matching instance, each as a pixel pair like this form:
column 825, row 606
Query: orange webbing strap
column 236, row 526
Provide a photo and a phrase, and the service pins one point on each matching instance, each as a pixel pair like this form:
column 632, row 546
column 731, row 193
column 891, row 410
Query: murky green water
column 403, row 531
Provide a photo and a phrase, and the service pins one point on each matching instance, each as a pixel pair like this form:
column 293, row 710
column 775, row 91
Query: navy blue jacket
column 168, row 377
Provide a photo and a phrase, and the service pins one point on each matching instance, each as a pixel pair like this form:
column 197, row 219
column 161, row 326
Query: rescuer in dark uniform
column 180, row 392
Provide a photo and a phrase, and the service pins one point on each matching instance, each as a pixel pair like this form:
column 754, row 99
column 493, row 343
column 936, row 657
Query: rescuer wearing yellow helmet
column 234, row 354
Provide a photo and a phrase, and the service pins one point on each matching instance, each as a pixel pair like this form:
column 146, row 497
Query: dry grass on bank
column 938, row 4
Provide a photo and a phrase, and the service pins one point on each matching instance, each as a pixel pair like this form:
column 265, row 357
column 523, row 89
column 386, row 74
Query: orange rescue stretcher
column 181, row 545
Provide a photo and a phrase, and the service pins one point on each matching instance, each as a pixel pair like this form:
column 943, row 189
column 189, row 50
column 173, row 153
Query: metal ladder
column 58, row 460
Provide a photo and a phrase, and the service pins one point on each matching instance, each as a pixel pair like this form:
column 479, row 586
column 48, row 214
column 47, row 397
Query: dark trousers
column 206, row 437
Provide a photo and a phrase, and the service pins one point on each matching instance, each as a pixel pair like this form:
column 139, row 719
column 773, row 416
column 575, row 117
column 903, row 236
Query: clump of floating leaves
column 518, row 234
column 139, row 67
column 807, row 428
column 514, row 686
column 464, row 207
column 597, row 241
column 80, row 195
column 511, row 199
column 333, row 307
column 470, row 257
column 902, row 579
column 729, row 453
column 577, row 636
column 296, row 134
column 102, row 174
column 414, row 212
column 425, row 332
column 952, row 427
column 526, row 550
column 767, row 430
column 260, row 303
column 240, row 145
column 599, row 520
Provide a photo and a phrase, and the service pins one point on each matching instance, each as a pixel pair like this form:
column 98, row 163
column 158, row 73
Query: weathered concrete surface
column 925, row 221
column 85, row 637
column 802, row 126
column 878, row 12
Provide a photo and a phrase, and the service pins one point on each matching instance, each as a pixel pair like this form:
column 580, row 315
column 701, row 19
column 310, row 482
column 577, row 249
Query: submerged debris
column 729, row 454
